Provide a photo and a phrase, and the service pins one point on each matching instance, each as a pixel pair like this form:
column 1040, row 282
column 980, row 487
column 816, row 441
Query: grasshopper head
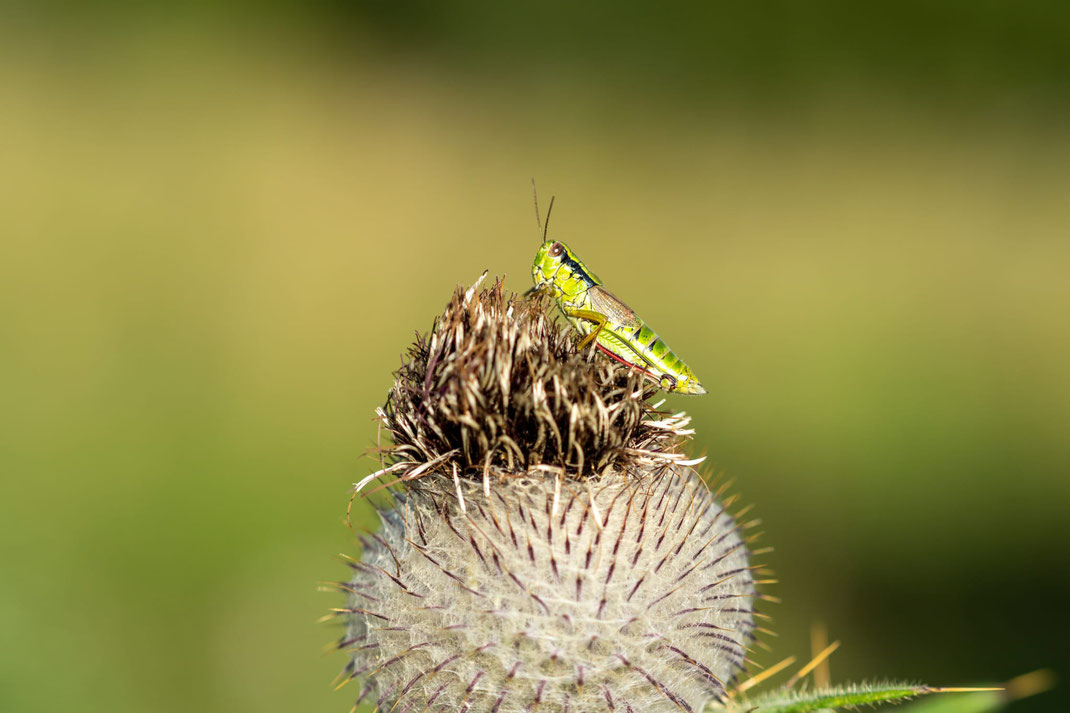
column 548, row 261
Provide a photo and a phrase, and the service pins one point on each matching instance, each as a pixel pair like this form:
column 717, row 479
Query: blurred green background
column 220, row 227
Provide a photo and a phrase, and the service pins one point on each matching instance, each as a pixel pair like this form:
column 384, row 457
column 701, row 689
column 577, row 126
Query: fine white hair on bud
column 546, row 543
column 631, row 594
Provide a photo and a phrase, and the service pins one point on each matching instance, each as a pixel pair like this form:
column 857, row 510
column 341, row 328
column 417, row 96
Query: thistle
column 546, row 543
column 552, row 546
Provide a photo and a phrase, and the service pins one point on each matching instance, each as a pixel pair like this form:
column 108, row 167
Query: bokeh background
column 221, row 226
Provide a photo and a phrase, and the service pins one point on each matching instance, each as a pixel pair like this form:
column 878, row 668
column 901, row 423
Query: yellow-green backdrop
column 220, row 229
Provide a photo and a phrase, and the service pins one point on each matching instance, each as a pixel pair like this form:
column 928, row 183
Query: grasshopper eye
column 556, row 249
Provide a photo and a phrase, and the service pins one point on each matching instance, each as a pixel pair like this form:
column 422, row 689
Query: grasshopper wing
column 617, row 313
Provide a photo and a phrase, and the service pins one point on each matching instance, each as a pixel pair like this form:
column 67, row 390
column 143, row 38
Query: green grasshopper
column 603, row 319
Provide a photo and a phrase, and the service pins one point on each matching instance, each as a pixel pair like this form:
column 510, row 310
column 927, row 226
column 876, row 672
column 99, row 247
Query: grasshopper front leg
column 596, row 317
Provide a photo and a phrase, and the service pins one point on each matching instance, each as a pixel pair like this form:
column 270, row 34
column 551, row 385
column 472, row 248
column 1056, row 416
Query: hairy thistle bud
column 551, row 547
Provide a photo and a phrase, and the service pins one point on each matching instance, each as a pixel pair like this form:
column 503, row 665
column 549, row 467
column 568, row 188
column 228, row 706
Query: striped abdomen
column 644, row 348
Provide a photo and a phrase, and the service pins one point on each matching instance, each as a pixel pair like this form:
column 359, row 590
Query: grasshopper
column 604, row 320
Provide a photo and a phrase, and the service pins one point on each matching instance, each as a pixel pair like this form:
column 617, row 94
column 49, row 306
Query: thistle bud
column 547, row 544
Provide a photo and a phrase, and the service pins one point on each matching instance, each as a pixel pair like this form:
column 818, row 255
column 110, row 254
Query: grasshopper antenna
column 535, row 197
column 546, row 225
column 538, row 221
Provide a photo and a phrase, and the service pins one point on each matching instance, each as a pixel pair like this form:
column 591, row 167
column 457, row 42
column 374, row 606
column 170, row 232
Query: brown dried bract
column 497, row 388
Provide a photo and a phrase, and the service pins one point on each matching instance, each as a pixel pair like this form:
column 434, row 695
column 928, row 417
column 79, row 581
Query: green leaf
column 848, row 696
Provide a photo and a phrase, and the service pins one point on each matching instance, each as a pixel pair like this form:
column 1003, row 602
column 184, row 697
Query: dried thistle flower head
column 552, row 549
column 496, row 384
